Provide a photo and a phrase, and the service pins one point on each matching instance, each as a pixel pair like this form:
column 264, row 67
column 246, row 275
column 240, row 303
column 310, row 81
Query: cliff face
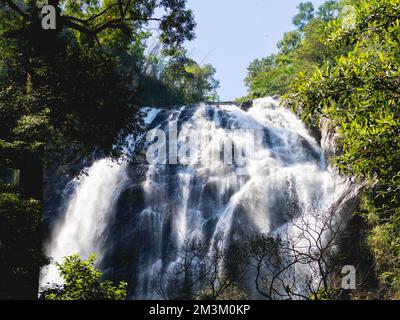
column 324, row 133
column 352, row 245
column 330, row 140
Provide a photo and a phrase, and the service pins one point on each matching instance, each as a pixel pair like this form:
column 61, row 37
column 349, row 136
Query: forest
column 76, row 92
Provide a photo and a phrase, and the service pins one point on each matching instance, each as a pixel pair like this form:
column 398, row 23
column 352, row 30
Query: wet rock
column 246, row 105
column 330, row 140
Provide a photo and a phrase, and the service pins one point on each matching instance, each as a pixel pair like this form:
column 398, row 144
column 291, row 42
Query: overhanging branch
column 15, row 8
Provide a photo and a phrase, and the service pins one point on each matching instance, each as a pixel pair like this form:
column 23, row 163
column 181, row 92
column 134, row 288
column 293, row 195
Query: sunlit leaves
column 82, row 281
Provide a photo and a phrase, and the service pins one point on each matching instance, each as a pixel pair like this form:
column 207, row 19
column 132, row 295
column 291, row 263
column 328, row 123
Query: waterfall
column 235, row 173
column 88, row 212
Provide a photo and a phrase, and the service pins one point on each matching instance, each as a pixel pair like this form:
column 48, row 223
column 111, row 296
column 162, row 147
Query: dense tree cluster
column 21, row 238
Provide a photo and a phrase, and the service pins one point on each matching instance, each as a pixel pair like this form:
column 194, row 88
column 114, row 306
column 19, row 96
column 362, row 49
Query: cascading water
column 82, row 229
column 226, row 171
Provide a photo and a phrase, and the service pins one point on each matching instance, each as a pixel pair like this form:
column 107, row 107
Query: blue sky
column 231, row 33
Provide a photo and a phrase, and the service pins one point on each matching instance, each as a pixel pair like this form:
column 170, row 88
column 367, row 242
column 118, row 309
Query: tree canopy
column 94, row 19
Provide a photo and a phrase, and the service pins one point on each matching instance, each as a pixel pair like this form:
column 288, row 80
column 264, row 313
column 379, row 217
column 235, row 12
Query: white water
column 205, row 197
column 82, row 229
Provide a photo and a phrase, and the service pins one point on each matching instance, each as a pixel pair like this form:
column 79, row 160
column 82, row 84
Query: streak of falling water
column 82, row 229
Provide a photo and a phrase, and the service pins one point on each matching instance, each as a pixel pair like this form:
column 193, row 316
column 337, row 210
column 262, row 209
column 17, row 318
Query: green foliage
column 116, row 23
column 272, row 81
column 20, row 245
column 228, row 291
column 327, row 294
column 289, row 42
column 181, row 80
column 384, row 241
column 42, row 103
column 300, row 50
column 82, row 281
column 328, row 10
column 306, row 13
column 41, row 100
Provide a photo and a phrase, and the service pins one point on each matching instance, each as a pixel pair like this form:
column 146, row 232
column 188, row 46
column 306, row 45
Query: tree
column 303, row 50
column 200, row 271
column 299, row 263
column 193, row 83
column 58, row 112
column 21, row 251
column 289, row 42
column 329, row 10
column 257, row 67
column 177, row 79
column 93, row 19
column 40, row 66
column 273, row 81
column 82, row 281
column 305, row 15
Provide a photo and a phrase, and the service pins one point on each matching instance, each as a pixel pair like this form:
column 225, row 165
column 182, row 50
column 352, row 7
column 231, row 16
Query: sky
column 232, row 33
